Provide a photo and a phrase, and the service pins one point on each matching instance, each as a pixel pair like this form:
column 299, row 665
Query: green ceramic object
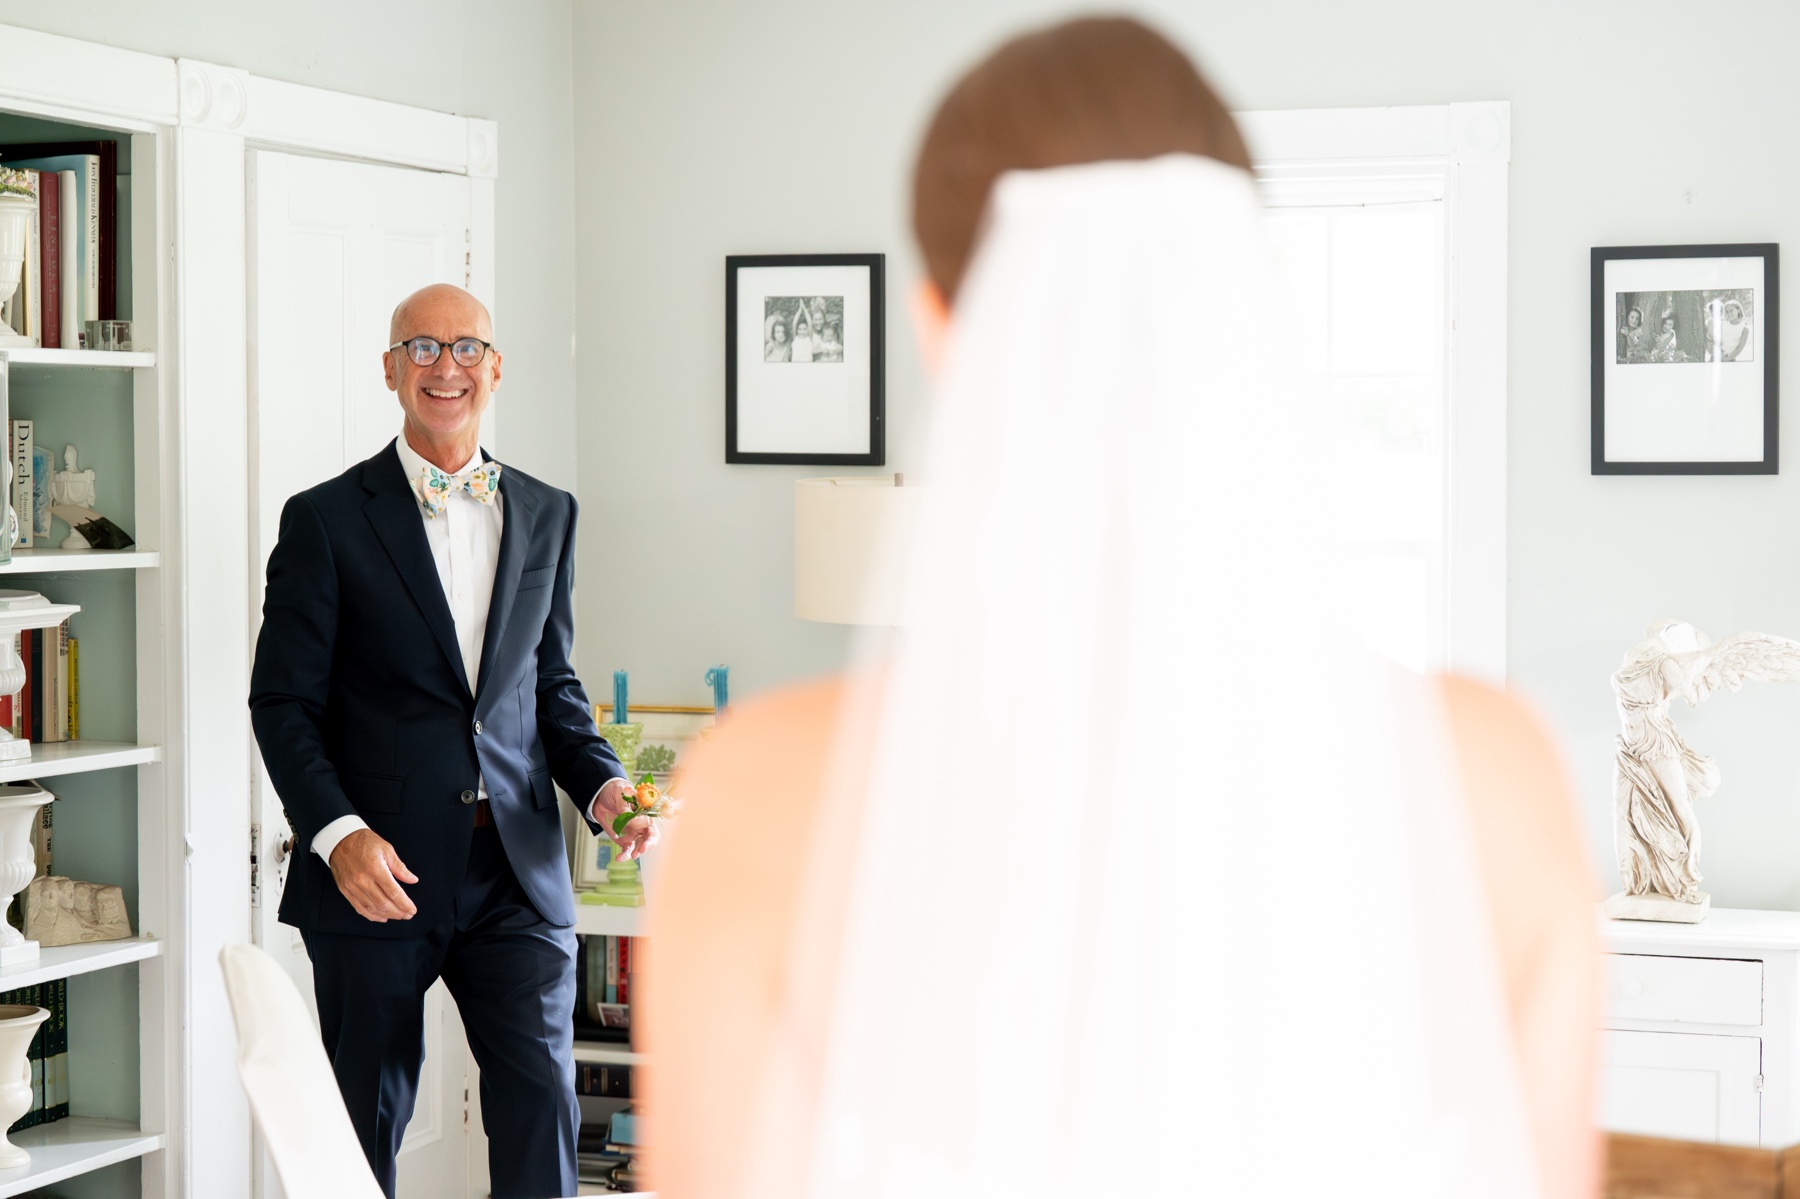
column 623, row 887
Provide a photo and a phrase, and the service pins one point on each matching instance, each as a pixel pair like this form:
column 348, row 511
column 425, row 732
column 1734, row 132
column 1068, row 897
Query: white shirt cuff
column 336, row 831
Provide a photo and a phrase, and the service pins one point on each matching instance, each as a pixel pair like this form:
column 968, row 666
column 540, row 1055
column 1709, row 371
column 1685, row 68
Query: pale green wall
column 765, row 126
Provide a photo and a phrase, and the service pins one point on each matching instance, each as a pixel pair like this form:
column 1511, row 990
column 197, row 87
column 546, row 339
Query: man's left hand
column 639, row 835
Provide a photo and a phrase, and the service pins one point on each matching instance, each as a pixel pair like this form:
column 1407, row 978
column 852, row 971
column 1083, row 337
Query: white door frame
column 1470, row 147
column 198, row 120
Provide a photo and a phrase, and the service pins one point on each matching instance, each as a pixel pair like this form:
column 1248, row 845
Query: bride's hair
column 1090, row 90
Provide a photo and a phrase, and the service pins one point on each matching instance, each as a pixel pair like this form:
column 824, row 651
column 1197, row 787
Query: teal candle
column 716, row 677
column 621, row 705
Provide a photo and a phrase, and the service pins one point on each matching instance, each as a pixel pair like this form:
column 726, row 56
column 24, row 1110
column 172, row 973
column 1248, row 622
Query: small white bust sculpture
column 74, row 487
column 63, row 911
column 1657, row 777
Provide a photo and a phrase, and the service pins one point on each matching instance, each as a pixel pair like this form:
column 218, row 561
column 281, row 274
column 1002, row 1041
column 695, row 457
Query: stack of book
column 603, row 989
column 48, row 708
column 603, row 1153
column 70, row 275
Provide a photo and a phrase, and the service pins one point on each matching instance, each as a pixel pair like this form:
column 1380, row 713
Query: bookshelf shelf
column 28, row 562
column 604, row 920
column 66, row 961
column 610, row 1053
column 74, row 1146
column 76, row 757
column 118, row 360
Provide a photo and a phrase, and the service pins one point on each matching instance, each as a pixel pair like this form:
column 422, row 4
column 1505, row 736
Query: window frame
column 1464, row 149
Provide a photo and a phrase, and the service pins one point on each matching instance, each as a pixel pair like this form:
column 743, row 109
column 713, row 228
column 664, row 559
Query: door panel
column 1687, row 1086
column 334, row 246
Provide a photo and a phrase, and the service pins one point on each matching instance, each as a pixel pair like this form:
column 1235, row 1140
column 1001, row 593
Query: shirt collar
column 412, row 462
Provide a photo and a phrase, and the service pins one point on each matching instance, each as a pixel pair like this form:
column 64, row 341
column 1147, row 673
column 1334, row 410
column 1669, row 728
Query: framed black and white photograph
column 804, row 359
column 1684, row 360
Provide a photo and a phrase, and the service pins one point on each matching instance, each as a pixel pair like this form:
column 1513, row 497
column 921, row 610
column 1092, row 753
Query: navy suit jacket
column 359, row 704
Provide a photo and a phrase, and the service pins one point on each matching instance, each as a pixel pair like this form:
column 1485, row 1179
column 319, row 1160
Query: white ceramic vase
column 18, row 1024
column 16, row 215
column 12, row 680
column 18, row 863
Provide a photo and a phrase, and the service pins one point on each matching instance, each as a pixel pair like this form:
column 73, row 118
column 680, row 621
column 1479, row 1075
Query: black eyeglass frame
column 487, row 348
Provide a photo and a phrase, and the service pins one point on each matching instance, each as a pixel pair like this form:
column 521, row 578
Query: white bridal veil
column 1162, row 886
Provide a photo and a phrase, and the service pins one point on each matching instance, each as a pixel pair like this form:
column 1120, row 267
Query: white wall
column 508, row 62
column 764, row 126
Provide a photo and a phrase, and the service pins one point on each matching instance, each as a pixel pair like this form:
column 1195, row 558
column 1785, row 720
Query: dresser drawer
column 1685, row 990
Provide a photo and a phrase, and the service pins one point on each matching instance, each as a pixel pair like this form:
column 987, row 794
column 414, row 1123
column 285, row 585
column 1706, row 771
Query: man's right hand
column 365, row 867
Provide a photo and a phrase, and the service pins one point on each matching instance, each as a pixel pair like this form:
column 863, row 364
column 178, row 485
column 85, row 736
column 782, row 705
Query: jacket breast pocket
column 537, row 576
column 543, row 791
column 373, row 792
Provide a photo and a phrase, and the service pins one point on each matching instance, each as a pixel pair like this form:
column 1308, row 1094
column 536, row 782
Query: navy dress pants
column 513, row 978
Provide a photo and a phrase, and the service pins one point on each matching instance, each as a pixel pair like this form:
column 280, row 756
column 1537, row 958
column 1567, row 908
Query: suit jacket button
column 478, row 728
column 468, row 797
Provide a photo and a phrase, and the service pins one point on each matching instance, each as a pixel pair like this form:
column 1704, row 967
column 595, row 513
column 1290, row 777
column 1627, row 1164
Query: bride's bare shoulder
column 1521, row 806
column 1494, row 728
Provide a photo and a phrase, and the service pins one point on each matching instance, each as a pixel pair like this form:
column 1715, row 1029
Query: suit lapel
column 393, row 511
column 518, row 519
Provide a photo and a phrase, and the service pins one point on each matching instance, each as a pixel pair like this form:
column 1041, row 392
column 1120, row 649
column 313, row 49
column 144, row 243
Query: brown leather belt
column 483, row 814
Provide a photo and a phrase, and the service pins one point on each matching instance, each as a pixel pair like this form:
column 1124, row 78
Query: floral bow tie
column 433, row 486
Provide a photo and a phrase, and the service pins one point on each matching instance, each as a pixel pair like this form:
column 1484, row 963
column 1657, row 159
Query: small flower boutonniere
column 648, row 800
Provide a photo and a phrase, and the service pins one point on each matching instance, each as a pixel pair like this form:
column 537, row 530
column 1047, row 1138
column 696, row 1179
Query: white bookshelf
column 77, row 757
column 113, row 360
column 608, row 1053
column 605, row 920
column 115, row 821
column 60, row 561
column 77, row 1145
column 67, row 961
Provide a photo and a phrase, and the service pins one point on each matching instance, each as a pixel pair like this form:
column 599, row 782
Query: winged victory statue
column 1658, row 777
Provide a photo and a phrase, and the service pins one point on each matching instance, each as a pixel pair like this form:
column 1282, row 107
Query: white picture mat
column 803, row 407
column 1684, row 411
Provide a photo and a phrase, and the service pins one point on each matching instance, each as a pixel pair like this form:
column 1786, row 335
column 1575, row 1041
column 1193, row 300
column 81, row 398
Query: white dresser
column 1702, row 1039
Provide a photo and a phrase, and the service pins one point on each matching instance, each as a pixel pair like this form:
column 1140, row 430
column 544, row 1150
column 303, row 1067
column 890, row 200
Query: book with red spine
column 50, row 238
column 624, row 969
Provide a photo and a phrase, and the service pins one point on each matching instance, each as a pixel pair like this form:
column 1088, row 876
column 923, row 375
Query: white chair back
column 293, row 1094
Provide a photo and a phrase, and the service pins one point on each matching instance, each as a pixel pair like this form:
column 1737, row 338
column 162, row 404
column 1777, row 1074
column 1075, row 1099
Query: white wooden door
column 333, row 247
column 1688, row 1086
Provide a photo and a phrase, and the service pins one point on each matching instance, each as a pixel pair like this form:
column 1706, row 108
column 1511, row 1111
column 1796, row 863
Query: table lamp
column 842, row 526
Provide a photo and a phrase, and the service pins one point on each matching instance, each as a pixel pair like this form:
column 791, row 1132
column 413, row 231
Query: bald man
column 415, row 703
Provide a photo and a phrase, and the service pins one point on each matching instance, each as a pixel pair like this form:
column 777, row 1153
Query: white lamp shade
column 842, row 528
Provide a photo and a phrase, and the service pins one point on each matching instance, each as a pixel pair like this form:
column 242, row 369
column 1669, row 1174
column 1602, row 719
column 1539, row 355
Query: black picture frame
column 1622, row 354
column 744, row 391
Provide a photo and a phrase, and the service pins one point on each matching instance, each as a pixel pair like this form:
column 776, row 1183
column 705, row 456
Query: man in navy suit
column 415, row 703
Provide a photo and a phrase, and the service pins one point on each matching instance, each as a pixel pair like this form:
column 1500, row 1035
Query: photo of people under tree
column 803, row 328
column 1686, row 326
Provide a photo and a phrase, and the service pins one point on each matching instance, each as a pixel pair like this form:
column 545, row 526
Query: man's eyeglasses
column 464, row 351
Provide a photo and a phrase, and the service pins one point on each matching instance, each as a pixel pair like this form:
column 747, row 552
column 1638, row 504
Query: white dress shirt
column 465, row 545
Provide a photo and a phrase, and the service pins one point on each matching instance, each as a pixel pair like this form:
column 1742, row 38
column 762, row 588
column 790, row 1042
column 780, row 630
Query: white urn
column 16, row 215
column 18, row 1024
column 18, row 863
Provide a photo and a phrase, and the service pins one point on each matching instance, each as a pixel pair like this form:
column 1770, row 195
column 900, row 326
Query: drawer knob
column 1631, row 988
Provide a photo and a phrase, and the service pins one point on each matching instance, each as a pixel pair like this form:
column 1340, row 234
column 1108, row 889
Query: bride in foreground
column 1127, row 871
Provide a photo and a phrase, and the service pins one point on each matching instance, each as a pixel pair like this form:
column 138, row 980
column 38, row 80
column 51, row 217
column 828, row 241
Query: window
column 1391, row 226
